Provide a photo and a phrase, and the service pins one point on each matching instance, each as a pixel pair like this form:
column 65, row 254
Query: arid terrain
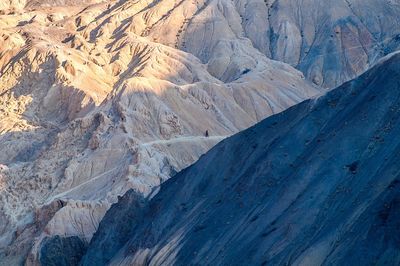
column 101, row 97
column 318, row 184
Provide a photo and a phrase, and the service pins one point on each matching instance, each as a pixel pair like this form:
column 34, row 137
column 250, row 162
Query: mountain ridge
column 85, row 86
column 79, row 95
column 245, row 200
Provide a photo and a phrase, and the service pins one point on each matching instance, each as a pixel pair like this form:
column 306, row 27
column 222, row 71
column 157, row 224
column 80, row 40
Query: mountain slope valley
column 102, row 101
column 318, row 184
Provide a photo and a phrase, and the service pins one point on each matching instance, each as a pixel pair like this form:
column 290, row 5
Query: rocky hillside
column 329, row 41
column 318, row 184
column 99, row 97
column 91, row 107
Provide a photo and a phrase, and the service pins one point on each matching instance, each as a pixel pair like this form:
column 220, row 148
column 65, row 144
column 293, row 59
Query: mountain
column 330, row 42
column 99, row 97
column 90, row 108
column 318, row 184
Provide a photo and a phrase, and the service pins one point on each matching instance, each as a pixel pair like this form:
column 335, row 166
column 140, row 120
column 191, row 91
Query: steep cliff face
column 318, row 184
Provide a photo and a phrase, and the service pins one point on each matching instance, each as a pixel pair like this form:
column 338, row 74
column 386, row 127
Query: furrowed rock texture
column 318, row 184
column 99, row 97
column 333, row 41
column 91, row 106
column 329, row 41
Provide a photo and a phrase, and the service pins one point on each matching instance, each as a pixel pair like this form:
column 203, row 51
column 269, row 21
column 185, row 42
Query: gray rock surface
column 333, row 41
column 318, row 184
column 329, row 41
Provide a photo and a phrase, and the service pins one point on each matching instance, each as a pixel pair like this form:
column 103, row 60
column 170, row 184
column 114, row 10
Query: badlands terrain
column 318, row 184
column 101, row 97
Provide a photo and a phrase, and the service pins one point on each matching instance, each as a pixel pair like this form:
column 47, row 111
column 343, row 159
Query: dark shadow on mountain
column 316, row 184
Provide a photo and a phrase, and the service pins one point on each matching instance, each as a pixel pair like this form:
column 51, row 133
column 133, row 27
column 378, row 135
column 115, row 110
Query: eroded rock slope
column 98, row 97
column 91, row 107
column 318, row 184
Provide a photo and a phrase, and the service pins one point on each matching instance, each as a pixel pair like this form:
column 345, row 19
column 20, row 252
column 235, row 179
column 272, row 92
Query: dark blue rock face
column 318, row 184
column 115, row 229
column 62, row 251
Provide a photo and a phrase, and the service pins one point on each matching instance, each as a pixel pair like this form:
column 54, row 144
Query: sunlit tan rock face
column 97, row 98
column 329, row 41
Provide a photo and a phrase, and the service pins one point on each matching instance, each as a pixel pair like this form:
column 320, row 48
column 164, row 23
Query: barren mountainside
column 317, row 184
column 92, row 107
column 101, row 97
